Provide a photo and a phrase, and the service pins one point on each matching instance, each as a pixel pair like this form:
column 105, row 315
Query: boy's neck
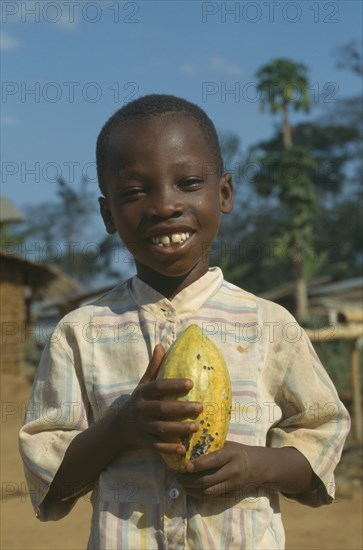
column 165, row 285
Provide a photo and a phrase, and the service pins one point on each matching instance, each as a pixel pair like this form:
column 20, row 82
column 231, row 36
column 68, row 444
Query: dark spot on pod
column 204, row 366
column 198, row 356
column 205, row 431
column 216, row 433
column 200, row 448
column 202, row 421
column 185, row 439
column 208, row 425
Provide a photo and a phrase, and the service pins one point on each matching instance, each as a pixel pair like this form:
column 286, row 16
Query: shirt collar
column 186, row 301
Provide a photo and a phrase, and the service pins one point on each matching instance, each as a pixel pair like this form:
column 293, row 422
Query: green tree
column 284, row 173
column 251, row 249
column 243, row 248
column 286, row 177
column 63, row 232
column 283, row 85
column 331, row 149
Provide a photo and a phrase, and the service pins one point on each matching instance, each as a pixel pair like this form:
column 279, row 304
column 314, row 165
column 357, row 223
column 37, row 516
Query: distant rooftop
column 323, row 294
column 8, row 212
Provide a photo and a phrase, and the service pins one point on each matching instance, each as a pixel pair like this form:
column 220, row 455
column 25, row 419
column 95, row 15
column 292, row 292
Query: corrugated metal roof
column 337, row 287
column 287, row 289
column 8, row 212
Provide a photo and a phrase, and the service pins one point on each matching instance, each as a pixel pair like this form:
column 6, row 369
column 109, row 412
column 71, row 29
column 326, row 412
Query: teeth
column 166, row 240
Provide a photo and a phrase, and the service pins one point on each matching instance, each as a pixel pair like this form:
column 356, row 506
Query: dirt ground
column 334, row 527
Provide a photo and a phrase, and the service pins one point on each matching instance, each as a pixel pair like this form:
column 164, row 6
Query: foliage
column 10, row 237
column 284, row 85
column 338, row 231
column 334, row 355
column 63, row 232
column 326, row 154
column 349, row 56
column 283, row 82
column 253, row 249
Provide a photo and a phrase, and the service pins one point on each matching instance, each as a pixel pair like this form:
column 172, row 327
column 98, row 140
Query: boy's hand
column 148, row 421
column 224, row 473
column 237, row 470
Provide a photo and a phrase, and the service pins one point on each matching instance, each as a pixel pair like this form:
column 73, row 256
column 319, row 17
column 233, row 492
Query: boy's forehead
column 169, row 133
column 164, row 123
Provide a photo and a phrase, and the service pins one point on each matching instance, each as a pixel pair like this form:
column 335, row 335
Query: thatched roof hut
column 21, row 282
column 8, row 212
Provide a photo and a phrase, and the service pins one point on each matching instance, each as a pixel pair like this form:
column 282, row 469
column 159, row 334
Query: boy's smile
column 164, row 197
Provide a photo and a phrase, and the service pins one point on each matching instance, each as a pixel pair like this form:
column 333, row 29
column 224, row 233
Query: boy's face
column 164, row 197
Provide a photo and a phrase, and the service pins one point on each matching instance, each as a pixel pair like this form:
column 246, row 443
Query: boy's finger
column 211, row 461
column 201, row 480
column 172, row 409
column 169, row 448
column 166, row 387
column 154, row 365
column 170, row 432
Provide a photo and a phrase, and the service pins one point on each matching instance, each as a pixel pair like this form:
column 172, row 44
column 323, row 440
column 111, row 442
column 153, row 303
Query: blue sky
column 68, row 65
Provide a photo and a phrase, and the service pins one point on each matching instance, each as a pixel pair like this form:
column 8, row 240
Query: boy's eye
column 132, row 192
column 191, row 183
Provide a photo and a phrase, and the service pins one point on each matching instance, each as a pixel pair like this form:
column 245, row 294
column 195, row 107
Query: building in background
column 23, row 282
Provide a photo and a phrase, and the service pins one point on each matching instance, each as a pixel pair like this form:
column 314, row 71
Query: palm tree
column 283, row 85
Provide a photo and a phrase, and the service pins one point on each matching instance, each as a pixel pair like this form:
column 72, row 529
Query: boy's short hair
column 150, row 106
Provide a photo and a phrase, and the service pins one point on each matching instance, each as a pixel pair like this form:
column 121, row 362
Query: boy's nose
column 165, row 205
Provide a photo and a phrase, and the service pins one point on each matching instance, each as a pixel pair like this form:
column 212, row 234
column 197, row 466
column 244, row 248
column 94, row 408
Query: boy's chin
column 173, row 272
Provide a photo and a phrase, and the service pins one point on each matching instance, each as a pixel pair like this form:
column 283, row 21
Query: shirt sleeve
column 314, row 421
column 55, row 415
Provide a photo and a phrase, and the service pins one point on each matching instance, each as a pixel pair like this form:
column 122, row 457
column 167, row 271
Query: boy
column 161, row 175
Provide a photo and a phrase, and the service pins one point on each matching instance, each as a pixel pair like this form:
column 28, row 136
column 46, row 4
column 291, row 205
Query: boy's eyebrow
column 182, row 163
column 131, row 172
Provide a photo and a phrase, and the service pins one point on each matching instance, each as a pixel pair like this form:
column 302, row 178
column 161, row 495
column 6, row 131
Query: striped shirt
column 282, row 396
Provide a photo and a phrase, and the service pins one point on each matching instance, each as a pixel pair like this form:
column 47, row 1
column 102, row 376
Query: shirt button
column 169, row 313
column 174, row 493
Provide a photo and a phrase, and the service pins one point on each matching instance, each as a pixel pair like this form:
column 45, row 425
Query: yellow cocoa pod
column 193, row 355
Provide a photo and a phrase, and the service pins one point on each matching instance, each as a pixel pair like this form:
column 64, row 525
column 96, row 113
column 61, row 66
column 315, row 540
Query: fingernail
column 198, row 408
column 190, row 467
column 193, row 427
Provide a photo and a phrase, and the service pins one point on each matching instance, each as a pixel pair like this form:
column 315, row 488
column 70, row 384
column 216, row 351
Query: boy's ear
column 106, row 216
column 226, row 193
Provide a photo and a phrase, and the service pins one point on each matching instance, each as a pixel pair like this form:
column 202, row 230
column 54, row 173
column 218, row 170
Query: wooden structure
column 341, row 303
column 350, row 331
column 21, row 282
column 58, row 308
